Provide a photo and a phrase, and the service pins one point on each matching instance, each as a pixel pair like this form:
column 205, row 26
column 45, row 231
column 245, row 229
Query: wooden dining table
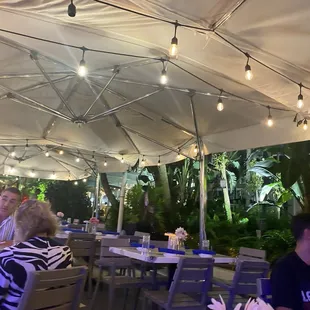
column 155, row 257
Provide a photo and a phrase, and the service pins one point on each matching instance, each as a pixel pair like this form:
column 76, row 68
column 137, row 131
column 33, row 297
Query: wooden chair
column 83, row 247
column 264, row 289
column 192, row 276
column 53, row 289
column 251, row 254
column 141, row 234
column 114, row 262
column 244, row 281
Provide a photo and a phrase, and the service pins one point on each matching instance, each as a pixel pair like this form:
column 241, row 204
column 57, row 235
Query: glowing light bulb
column 105, row 163
column 84, row 180
column 13, row 154
column 196, row 149
column 220, row 105
column 300, row 101
column 76, row 183
column 32, row 173
column 61, row 152
column 270, row 121
column 122, row 160
column 77, row 159
column 53, row 176
column 305, row 125
column 163, row 77
column 12, row 169
column 173, row 51
column 47, row 154
column 82, row 71
column 248, row 73
column 179, row 156
column 158, row 163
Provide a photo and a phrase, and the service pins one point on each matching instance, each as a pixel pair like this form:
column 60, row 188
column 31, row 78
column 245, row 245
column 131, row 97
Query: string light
column 143, row 161
column 53, row 176
column 76, row 183
column 300, row 98
column 158, row 163
column 61, row 152
column 47, row 154
column 269, row 119
column 71, row 9
column 77, row 159
column 82, row 71
column 26, row 146
column 179, row 155
column 220, row 105
column 93, row 156
column 305, row 125
column 163, row 77
column 84, row 180
column 196, row 149
column 173, row 51
column 13, row 154
column 122, row 160
column 32, row 173
column 248, row 71
column 105, row 163
column 11, row 169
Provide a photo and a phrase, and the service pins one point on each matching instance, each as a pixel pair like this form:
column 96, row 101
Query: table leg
column 171, row 271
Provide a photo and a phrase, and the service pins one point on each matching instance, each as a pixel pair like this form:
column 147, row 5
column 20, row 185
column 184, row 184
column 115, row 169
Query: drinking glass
column 145, row 244
column 205, row 245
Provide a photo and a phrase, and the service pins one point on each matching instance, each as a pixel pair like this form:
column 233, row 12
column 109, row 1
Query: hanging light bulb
column 143, row 161
column 82, row 71
column 196, row 149
column 76, row 183
column 158, row 163
column 179, row 155
column 93, row 156
column 163, row 77
column 26, row 146
column 122, row 160
column 16, row 178
column 105, row 163
column 61, row 152
column 71, row 9
column 305, row 125
column 11, row 169
column 269, row 119
column 300, row 98
column 220, row 105
column 32, row 173
column 53, row 176
column 13, row 154
column 47, row 154
column 248, row 71
column 84, row 180
column 77, row 159
column 173, row 51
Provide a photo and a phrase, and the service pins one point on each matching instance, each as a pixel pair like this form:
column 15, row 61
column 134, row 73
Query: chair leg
column 125, row 299
column 92, row 303
column 144, row 303
column 230, row 301
column 90, row 279
column 137, row 299
column 111, row 296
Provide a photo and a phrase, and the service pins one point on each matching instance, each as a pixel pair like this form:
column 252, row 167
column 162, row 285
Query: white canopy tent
column 120, row 109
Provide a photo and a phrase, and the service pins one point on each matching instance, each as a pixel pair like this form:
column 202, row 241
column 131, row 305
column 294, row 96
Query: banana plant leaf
column 266, row 189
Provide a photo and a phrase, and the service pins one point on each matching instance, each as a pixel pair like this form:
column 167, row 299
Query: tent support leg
column 97, row 190
column 203, row 202
column 121, row 204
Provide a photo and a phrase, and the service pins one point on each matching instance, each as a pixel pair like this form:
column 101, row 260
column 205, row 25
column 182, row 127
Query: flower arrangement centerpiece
column 181, row 236
column 93, row 222
column 252, row 304
column 60, row 215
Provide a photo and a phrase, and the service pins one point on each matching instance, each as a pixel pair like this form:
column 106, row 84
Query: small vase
column 92, row 228
column 180, row 245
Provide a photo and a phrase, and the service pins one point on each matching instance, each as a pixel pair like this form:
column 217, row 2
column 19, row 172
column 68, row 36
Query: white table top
column 158, row 258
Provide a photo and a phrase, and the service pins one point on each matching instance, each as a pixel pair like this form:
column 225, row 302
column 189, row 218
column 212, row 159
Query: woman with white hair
column 34, row 250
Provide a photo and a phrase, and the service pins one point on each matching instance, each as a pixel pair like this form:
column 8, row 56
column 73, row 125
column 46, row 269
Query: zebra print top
column 36, row 254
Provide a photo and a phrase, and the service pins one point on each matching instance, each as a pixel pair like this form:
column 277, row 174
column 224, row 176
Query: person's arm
column 281, row 288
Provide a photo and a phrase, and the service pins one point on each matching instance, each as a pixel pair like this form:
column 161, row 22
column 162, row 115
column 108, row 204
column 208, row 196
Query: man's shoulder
column 286, row 261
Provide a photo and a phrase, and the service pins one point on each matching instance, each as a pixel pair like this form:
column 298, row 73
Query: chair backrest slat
column 192, row 275
column 141, row 234
column 82, row 244
column 107, row 243
column 246, row 275
column 251, row 254
column 53, row 289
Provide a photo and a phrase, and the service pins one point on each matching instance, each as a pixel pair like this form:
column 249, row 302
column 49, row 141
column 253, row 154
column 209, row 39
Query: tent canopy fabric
column 42, row 98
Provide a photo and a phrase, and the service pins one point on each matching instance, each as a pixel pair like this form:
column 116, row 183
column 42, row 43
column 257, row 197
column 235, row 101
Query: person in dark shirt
column 290, row 277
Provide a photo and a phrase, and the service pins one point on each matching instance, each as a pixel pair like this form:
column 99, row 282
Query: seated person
column 34, row 250
column 9, row 201
column 290, row 278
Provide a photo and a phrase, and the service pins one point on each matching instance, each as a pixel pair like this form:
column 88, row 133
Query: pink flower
column 181, row 233
column 60, row 214
column 93, row 220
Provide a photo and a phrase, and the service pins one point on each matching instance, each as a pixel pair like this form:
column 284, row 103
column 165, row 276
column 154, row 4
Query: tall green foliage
column 70, row 199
